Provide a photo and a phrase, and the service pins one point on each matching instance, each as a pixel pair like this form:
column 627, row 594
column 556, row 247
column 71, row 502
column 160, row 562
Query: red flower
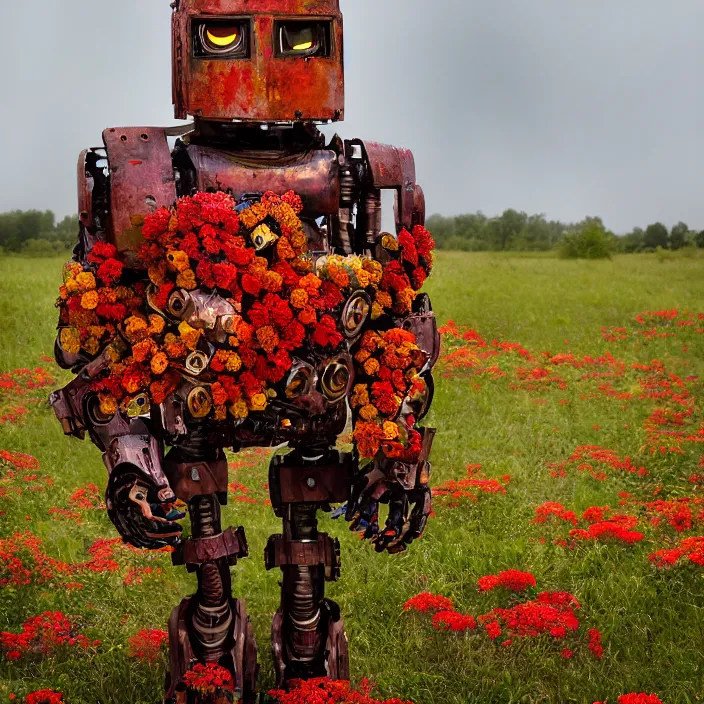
column 110, row 271
column 147, row 645
column 426, row 601
column 325, row 333
column 513, row 580
column 452, row 621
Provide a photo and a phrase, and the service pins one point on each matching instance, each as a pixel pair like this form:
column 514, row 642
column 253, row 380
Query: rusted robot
column 258, row 77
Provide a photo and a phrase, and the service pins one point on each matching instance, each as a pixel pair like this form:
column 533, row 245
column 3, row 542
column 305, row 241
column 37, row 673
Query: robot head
column 258, row 60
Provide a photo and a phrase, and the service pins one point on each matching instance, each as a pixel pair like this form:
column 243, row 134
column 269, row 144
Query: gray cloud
column 543, row 105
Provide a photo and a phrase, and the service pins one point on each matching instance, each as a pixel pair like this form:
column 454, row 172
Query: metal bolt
column 194, row 474
column 310, row 482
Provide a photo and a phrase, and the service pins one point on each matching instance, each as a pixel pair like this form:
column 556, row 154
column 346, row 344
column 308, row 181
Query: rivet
column 310, row 482
column 194, row 474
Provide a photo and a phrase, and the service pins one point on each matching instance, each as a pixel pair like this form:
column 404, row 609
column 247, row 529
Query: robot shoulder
column 122, row 182
column 391, row 167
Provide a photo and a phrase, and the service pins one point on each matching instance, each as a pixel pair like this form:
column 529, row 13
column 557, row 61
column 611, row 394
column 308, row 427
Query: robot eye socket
column 296, row 38
column 225, row 40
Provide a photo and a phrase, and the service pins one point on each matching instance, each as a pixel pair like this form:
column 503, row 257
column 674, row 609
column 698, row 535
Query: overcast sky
column 566, row 107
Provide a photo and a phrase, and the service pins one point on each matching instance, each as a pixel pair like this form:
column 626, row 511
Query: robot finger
column 419, row 515
column 398, row 511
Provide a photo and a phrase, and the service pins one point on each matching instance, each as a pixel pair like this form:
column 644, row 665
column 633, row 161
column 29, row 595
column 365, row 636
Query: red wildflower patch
column 22, row 384
column 45, row 696
column 209, row 679
column 43, row 635
column 635, row 698
column 552, row 613
column 453, row 621
column 147, row 645
column 598, row 462
column 325, row 691
column 426, row 602
column 552, row 508
column 470, row 487
column 691, row 549
column 513, row 580
column 87, row 497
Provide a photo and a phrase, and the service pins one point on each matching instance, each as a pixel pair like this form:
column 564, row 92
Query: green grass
column 652, row 621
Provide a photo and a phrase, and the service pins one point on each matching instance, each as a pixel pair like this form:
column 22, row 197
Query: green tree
column 678, row 235
column 656, row 235
column 590, row 240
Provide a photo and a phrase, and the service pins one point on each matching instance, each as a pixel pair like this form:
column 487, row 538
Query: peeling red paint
column 262, row 88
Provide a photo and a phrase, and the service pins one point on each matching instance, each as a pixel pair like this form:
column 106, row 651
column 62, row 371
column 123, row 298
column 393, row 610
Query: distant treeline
column 37, row 232
column 519, row 231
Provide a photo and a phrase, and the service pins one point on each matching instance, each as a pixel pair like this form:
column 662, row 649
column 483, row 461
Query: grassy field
column 593, row 407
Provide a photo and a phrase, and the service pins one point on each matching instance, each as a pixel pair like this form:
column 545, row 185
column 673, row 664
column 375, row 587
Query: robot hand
column 139, row 516
column 409, row 509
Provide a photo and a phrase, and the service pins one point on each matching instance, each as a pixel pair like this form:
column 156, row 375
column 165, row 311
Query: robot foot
column 332, row 661
column 238, row 658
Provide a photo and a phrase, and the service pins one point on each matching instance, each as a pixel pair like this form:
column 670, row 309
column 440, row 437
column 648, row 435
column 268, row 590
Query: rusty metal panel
column 314, row 177
column 285, row 7
column 315, row 484
column 393, row 167
column 85, row 190
column 141, row 180
column 418, row 206
column 262, row 88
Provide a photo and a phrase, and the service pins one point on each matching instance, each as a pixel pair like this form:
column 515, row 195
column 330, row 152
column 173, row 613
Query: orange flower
column 267, row 338
column 360, row 396
column 368, row 437
column 157, row 273
column 219, row 394
column 371, row 367
column 239, row 409
column 308, row 316
column 310, row 283
column 142, row 351
column 187, row 279
column 90, row 300
column 384, row 299
column 156, row 324
column 70, row 340
column 299, row 298
column 368, row 412
column 159, row 363
column 135, row 328
column 284, row 249
column 108, row 404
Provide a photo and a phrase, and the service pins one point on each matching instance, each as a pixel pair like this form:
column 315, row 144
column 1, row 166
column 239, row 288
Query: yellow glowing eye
column 222, row 36
column 302, row 47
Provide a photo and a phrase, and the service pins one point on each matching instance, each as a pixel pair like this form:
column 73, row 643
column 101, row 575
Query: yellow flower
column 85, row 281
column 189, row 335
column 374, row 269
column 371, row 367
column 159, row 363
column 91, row 346
column 239, row 409
column 390, row 430
column 135, row 328
column 220, row 412
column 90, row 300
column 178, row 261
column 108, row 404
column 360, row 397
column 187, row 279
column 384, row 299
column 258, row 402
column 156, row 324
column 298, row 239
column 70, row 340
column 389, row 242
column 233, row 363
column 364, row 278
column 377, row 311
column 72, row 286
column 368, row 412
column 157, row 273
column 404, row 300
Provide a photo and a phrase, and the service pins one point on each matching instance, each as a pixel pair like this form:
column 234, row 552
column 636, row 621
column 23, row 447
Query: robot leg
column 210, row 626
column 308, row 635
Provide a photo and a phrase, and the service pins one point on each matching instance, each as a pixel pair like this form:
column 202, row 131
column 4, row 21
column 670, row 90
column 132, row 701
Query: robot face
column 258, row 60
